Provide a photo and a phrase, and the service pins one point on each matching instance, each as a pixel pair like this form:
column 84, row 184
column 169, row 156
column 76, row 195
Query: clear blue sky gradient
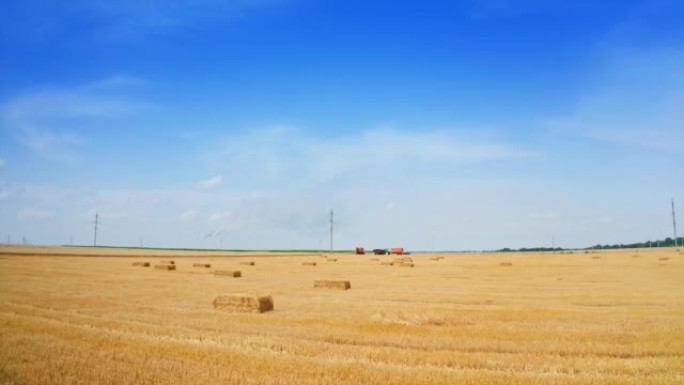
column 433, row 125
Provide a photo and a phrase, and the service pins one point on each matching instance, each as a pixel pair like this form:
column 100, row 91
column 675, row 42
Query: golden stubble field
column 78, row 316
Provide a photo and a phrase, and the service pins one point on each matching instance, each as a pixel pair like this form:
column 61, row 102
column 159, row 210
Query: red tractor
column 360, row 251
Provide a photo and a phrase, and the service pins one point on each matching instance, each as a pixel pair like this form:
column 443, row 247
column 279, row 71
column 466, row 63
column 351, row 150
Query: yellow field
column 612, row 317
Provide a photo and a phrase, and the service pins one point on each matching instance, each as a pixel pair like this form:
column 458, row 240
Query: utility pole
column 331, row 229
column 674, row 223
column 95, row 239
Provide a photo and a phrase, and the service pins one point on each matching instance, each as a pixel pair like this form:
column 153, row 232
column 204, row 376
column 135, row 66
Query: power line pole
column 95, row 239
column 331, row 229
column 674, row 223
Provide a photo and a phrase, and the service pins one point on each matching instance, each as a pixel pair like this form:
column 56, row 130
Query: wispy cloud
column 50, row 121
column 4, row 192
column 190, row 215
column 220, row 215
column 289, row 155
column 34, row 213
column 50, row 144
column 479, row 9
column 211, row 182
column 636, row 101
column 122, row 21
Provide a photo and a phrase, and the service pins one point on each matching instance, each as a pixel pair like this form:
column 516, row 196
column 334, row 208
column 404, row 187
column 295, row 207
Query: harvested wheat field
column 72, row 317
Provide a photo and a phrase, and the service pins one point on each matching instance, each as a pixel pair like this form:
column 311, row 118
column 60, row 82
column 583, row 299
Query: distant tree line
column 667, row 242
column 524, row 249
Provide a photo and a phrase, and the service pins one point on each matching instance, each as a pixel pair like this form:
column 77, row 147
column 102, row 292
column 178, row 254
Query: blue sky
column 433, row 125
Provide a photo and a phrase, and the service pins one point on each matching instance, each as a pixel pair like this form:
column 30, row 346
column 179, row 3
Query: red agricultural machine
column 397, row 250
column 360, row 251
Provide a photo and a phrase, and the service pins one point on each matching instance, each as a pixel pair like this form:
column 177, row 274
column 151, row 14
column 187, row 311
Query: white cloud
column 50, row 144
column 635, row 101
column 479, row 9
column 220, row 215
column 288, row 156
column 124, row 20
column 211, row 182
column 47, row 120
column 33, row 213
column 190, row 215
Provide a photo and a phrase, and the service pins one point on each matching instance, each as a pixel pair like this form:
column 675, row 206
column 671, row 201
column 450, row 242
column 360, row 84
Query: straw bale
column 664, row 259
column 309, row 263
column 595, row 257
column 506, row 264
column 387, row 263
column 406, row 264
column 143, row 264
column 165, row 267
column 244, row 303
column 247, row 263
column 332, row 259
column 167, row 262
column 228, row 273
column 332, row 284
column 205, row 265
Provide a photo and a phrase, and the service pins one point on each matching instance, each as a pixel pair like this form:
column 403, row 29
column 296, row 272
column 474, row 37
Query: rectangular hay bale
column 332, row 259
column 250, row 263
column 143, row 264
column 165, row 267
column 244, row 303
column 387, row 263
column 406, row 264
column 167, row 262
column 332, row 284
column 205, row 265
column 228, row 273
column 506, row 264
column 309, row 263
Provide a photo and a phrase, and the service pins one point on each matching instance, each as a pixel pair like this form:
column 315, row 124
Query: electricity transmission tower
column 331, row 229
column 95, row 238
column 674, row 223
